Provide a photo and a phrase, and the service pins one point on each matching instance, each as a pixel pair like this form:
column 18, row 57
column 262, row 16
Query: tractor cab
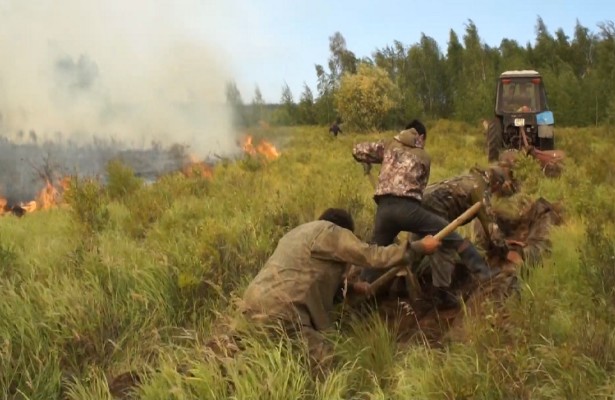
column 522, row 116
column 520, row 92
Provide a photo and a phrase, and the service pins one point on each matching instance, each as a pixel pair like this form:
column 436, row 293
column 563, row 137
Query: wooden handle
column 447, row 230
column 384, row 278
column 460, row 220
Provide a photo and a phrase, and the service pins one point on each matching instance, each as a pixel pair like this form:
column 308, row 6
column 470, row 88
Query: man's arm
column 341, row 245
column 369, row 152
column 478, row 194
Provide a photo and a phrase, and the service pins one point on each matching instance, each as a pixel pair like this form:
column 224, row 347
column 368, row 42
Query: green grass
column 131, row 277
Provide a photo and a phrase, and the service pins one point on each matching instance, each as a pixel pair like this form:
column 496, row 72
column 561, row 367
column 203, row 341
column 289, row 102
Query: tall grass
column 132, row 277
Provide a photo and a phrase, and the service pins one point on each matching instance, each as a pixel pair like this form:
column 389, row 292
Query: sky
column 283, row 40
column 158, row 68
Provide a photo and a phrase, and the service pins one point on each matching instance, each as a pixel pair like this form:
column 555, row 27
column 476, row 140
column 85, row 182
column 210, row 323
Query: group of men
column 299, row 283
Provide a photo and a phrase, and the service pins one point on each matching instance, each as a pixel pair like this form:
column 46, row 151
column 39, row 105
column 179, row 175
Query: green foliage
column 135, row 281
column 258, row 107
column 87, row 200
column 372, row 350
column 598, row 261
column 235, row 102
column 306, row 109
column 459, row 82
column 287, row 113
column 365, row 99
column 7, row 256
column 121, row 180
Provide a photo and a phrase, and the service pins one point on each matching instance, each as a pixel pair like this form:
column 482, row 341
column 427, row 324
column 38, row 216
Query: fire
column 268, row 150
column 48, row 197
column 248, row 147
column 65, row 183
column 194, row 167
column 264, row 148
column 3, row 204
column 29, row 206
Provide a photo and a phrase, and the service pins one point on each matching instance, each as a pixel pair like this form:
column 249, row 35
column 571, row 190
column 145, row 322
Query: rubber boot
column 476, row 264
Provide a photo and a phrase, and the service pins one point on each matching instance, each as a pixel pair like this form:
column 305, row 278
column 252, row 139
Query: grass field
column 131, row 276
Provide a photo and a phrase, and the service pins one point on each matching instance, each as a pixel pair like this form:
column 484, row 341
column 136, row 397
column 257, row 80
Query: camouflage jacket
column 451, row 197
column 306, row 269
column 405, row 169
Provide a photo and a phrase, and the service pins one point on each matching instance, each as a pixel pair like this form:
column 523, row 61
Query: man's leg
column 395, row 215
column 385, row 231
column 408, row 215
column 441, row 265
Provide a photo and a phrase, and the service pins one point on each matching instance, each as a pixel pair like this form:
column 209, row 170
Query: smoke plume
column 82, row 76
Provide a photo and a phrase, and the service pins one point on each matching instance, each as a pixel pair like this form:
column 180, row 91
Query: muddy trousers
column 397, row 214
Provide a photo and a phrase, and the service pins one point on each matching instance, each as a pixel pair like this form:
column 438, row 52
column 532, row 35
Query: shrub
column 365, row 99
column 121, row 180
column 87, row 201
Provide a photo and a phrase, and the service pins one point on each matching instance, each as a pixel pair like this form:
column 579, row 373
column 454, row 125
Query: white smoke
column 136, row 71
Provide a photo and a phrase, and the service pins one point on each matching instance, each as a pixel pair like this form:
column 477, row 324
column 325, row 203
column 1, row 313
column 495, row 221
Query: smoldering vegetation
column 83, row 82
column 25, row 167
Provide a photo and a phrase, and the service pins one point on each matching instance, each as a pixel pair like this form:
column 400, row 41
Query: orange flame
column 264, row 148
column 65, row 183
column 48, row 197
column 194, row 167
column 29, row 206
column 248, row 147
column 3, row 204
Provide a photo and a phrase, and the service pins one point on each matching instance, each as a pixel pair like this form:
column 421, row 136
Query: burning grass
column 263, row 148
column 48, row 197
column 131, row 277
column 51, row 194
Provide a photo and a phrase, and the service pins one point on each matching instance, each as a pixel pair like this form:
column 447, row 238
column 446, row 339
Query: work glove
column 367, row 168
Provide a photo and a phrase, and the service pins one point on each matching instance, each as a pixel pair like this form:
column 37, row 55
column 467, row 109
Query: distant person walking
column 335, row 129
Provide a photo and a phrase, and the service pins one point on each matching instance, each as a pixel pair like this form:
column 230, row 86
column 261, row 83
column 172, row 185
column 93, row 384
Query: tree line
column 402, row 81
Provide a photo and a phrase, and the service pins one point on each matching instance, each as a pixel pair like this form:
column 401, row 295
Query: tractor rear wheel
column 494, row 139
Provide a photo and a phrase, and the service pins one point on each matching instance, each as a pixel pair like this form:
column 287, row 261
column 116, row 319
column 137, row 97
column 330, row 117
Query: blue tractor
column 522, row 116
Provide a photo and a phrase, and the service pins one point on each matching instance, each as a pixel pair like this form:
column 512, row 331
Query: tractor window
column 519, row 96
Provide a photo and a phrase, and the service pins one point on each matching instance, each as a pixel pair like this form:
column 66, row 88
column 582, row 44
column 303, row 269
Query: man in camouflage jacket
column 298, row 284
column 451, row 197
column 399, row 192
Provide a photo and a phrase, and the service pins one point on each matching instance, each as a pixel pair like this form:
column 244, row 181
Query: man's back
column 405, row 169
column 292, row 277
column 451, row 197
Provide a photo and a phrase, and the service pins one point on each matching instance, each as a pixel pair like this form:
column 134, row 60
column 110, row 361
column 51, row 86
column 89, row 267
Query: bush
column 87, row 201
column 365, row 99
column 121, row 181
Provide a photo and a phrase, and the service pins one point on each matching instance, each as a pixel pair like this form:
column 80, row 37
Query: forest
column 457, row 82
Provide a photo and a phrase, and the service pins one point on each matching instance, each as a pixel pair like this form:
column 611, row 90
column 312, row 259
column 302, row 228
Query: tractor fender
column 545, row 123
